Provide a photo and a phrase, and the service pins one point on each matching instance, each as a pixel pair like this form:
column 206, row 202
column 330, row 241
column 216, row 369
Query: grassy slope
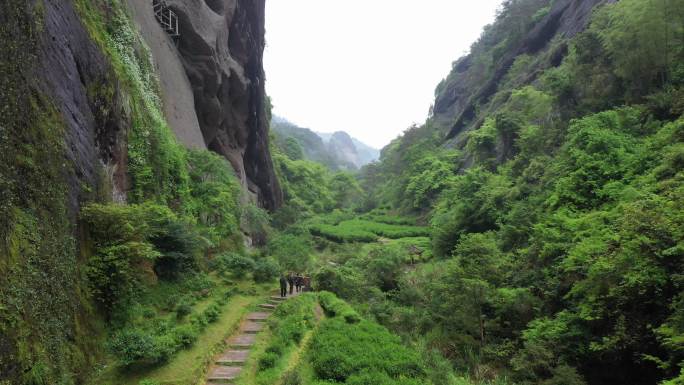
column 187, row 366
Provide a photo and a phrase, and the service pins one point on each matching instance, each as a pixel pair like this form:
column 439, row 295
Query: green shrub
column 185, row 335
column 293, row 252
column 148, row 313
column 237, row 264
column 419, row 249
column 289, row 323
column 200, row 283
column 134, row 347
column 212, row 313
column 340, row 235
column 345, row 281
column 183, row 308
column 275, row 348
column 335, row 307
column 389, row 219
column 165, row 346
column 128, row 236
column 292, row 329
column 199, row 320
column 178, row 243
column 231, row 292
column 292, row 377
column 215, row 192
column 111, row 274
column 370, row 377
column 292, row 319
column 341, row 351
column 266, row 270
column 268, row 360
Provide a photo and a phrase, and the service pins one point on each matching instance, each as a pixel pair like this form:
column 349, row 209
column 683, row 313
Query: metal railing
column 166, row 17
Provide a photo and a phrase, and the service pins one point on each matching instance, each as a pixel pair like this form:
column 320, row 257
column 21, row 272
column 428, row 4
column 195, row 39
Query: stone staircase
column 228, row 366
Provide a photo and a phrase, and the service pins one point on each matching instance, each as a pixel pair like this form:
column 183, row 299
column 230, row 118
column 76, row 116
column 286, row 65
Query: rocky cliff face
column 342, row 147
column 221, row 48
column 78, row 78
column 63, row 124
column 465, row 96
column 176, row 91
column 212, row 85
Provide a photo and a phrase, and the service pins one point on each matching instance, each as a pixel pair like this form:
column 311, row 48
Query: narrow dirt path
column 229, row 364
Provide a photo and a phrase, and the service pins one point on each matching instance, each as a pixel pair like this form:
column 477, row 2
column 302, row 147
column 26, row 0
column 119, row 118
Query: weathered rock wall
column 63, row 125
column 221, row 48
column 176, row 91
column 80, row 81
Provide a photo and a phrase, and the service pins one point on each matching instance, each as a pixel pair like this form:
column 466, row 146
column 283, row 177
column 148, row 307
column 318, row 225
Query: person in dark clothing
column 306, row 282
column 291, row 281
column 283, row 286
column 298, row 283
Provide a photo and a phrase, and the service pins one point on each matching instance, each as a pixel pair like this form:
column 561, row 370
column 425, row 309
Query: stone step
column 278, row 298
column 224, row 374
column 242, row 341
column 252, row 327
column 267, row 306
column 258, row 316
column 233, row 358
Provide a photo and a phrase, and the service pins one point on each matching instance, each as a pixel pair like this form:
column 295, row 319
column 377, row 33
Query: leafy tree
column 384, row 265
column 345, row 189
column 215, row 192
column 472, row 204
column 236, row 264
column 599, row 150
column 266, row 270
column 293, row 149
column 304, row 184
column 292, row 252
column 430, row 177
column 644, row 39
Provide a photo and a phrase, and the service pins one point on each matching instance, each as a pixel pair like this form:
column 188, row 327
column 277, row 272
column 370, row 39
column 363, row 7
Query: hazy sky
column 368, row 67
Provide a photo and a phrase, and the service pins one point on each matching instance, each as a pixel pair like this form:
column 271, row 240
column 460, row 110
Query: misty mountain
column 338, row 150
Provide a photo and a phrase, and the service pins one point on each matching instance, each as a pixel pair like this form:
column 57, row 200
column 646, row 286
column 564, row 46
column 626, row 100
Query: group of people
column 297, row 283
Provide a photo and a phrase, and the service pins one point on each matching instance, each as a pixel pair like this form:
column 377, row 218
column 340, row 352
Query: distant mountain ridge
column 338, row 150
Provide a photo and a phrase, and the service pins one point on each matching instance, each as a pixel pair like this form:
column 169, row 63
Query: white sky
column 367, row 67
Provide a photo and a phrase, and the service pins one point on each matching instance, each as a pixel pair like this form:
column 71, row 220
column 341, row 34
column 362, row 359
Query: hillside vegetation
column 553, row 208
column 530, row 232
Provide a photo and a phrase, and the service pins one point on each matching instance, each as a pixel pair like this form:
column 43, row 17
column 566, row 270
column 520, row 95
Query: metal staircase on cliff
column 166, row 18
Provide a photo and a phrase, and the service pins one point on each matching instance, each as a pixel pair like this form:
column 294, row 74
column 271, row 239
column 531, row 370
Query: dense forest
column 530, row 232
